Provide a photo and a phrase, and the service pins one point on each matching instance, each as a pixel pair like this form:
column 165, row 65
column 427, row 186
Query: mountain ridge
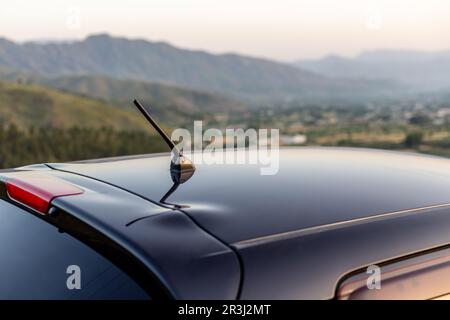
column 139, row 59
column 421, row 71
column 243, row 77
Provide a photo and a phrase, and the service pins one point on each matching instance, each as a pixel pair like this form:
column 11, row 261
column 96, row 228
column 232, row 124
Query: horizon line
column 45, row 41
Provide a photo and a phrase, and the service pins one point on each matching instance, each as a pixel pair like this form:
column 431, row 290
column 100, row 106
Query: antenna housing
column 181, row 168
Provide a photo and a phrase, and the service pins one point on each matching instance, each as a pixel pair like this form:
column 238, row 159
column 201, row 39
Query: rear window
column 39, row 262
column 415, row 277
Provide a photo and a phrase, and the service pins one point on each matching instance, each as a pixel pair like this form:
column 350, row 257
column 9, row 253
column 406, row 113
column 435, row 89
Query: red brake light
column 37, row 192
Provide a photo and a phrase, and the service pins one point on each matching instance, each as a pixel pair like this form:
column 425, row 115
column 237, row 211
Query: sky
column 285, row 30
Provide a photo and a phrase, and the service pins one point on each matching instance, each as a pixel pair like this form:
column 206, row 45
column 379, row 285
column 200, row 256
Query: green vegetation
column 28, row 106
column 38, row 124
column 396, row 125
column 56, row 107
column 413, row 139
column 39, row 145
column 172, row 105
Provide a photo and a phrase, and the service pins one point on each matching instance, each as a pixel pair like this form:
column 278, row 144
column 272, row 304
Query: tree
column 419, row 119
column 413, row 139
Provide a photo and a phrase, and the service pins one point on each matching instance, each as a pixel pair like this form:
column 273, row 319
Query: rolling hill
column 174, row 105
column 170, row 104
column 37, row 106
column 43, row 124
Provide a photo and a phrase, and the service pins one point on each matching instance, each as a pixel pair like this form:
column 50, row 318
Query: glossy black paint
column 310, row 266
column 188, row 262
column 327, row 212
column 314, row 186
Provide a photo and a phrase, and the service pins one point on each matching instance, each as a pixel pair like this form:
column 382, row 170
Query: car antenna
column 155, row 125
column 181, row 168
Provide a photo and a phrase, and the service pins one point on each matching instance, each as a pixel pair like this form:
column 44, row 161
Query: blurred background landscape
column 71, row 99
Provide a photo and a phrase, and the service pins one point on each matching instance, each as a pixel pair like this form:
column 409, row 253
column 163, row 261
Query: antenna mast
column 155, row 125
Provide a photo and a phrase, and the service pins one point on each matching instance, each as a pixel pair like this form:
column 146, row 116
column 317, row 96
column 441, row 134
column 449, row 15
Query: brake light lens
column 37, row 192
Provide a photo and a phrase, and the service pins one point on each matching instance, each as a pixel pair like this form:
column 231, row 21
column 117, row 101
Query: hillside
column 155, row 61
column 170, row 104
column 174, row 105
column 37, row 106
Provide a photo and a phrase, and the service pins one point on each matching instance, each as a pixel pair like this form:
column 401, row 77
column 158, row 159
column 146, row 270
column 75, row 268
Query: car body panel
column 327, row 212
column 314, row 186
column 187, row 261
column 310, row 266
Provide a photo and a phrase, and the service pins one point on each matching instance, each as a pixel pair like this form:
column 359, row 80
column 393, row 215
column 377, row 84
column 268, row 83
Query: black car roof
column 315, row 188
column 293, row 235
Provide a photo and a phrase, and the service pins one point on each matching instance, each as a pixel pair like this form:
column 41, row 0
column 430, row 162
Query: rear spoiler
column 162, row 249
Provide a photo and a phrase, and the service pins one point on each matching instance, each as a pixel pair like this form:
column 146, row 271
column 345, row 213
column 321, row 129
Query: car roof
column 294, row 235
column 315, row 188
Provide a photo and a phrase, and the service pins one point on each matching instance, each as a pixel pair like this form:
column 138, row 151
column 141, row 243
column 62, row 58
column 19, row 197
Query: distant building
column 293, row 140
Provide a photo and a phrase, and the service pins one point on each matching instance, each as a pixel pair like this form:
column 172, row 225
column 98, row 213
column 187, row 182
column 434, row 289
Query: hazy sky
column 279, row 29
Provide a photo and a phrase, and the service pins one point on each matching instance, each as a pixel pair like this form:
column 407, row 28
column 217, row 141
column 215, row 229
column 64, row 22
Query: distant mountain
column 155, row 61
column 37, row 106
column 141, row 60
column 420, row 71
